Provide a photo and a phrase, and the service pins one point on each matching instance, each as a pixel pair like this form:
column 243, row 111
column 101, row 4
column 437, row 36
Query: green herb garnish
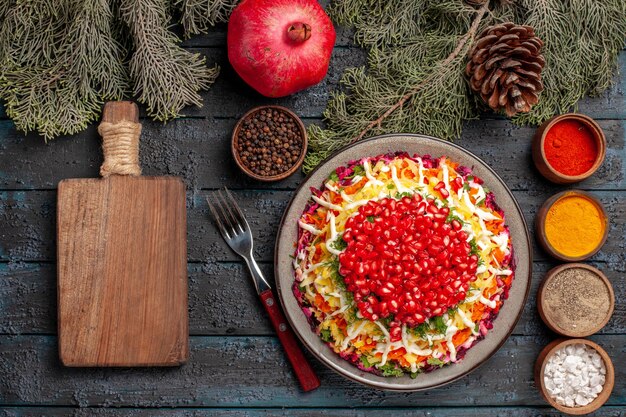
column 399, row 195
column 391, row 186
column 435, row 362
column 439, row 324
column 365, row 362
column 339, row 244
column 390, row 369
column 357, row 170
column 333, row 176
column 325, row 335
column 473, row 247
column 421, row 329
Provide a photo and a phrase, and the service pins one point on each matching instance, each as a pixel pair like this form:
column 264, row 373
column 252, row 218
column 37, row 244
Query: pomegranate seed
column 401, row 263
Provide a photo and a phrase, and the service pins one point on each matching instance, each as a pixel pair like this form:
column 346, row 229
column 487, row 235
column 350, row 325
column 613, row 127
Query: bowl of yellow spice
column 572, row 225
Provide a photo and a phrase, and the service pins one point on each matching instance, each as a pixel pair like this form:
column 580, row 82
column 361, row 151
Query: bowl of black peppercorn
column 269, row 143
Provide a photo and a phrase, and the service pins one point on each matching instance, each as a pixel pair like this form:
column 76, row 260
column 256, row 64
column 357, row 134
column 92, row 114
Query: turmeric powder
column 575, row 226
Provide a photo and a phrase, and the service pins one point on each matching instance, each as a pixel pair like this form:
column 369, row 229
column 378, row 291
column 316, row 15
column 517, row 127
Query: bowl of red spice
column 568, row 148
column 269, row 143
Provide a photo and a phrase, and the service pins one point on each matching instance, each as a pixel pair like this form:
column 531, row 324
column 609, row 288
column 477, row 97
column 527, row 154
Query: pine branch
column 200, row 15
column 582, row 40
column 469, row 36
column 166, row 77
column 415, row 85
column 61, row 59
column 59, row 64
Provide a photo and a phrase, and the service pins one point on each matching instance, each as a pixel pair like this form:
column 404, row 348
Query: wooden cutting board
column 122, row 259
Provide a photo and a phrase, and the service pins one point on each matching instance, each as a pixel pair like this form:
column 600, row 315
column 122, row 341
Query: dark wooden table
column 236, row 366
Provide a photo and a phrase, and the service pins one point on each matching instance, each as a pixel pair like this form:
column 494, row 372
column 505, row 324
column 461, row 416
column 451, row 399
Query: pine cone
column 505, row 67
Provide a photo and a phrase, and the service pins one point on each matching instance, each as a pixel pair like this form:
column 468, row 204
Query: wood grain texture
column 122, row 288
column 26, row 305
column 253, row 372
column 607, row 411
column 198, row 150
column 240, row 371
column 302, row 368
column 29, row 226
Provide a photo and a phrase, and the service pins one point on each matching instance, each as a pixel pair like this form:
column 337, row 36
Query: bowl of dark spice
column 269, row 143
column 568, row 148
column 575, row 300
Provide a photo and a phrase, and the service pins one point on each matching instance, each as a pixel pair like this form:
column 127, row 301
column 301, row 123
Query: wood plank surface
column 218, row 287
column 607, row 411
column 198, row 150
column 251, row 371
column 29, row 230
column 236, row 366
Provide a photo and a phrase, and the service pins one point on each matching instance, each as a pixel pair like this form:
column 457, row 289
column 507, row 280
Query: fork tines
column 229, row 218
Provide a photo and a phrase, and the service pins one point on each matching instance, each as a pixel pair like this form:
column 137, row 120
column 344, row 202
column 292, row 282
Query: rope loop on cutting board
column 120, row 145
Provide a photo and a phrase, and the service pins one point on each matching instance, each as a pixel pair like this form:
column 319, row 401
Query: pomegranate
column 279, row 47
column 407, row 259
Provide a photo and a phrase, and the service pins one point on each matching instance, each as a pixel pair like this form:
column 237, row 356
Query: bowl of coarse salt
column 575, row 376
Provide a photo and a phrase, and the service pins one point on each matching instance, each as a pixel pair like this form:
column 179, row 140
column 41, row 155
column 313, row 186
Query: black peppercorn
column 269, row 142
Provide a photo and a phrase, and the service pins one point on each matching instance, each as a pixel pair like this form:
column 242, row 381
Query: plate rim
column 339, row 370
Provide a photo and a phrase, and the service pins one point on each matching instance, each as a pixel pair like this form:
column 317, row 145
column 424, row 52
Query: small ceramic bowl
column 553, row 322
column 539, row 155
column 540, row 223
column 235, row 139
column 602, row 397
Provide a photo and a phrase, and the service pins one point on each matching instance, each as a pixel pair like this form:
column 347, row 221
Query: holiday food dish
column 402, row 262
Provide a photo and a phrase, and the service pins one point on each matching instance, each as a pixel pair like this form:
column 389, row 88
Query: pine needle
column 582, row 40
column 60, row 60
column 166, row 77
column 199, row 15
column 414, row 81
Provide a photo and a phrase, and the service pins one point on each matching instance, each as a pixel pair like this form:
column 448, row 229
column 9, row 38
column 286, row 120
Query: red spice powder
column 570, row 147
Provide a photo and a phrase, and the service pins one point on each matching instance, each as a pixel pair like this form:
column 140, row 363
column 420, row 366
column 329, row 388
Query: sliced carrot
column 507, row 281
column 318, row 253
column 403, row 362
column 477, row 311
column 499, row 255
column 335, row 198
column 495, row 226
column 341, row 323
column 460, row 337
column 491, row 290
column 397, row 353
column 322, row 304
column 351, row 189
column 407, row 173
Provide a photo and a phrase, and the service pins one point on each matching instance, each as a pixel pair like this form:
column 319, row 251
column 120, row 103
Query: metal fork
column 235, row 230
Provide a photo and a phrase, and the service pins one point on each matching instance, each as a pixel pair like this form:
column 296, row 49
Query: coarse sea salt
column 574, row 375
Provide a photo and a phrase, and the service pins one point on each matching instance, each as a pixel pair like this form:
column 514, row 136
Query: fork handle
column 303, row 370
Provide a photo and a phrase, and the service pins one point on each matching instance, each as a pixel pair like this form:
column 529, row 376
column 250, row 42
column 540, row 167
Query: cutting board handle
column 120, row 130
